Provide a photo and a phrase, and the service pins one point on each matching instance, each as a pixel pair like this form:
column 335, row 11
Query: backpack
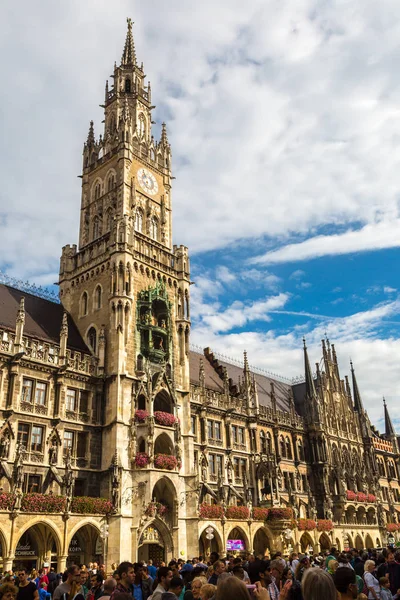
column 365, row 588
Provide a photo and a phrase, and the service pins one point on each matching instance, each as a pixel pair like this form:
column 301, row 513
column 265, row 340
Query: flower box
column 306, row 525
column 164, row 418
column 142, row 459
column 371, row 498
column 211, row 511
column 43, row 503
column 260, row 514
column 350, row 495
column 141, row 416
column 7, row 501
column 165, row 461
column 156, row 508
column 392, row 527
column 361, row 497
column 237, row 512
column 324, row 525
column 280, row 514
column 87, row 505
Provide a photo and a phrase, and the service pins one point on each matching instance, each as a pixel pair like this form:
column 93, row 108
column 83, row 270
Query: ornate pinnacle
column 90, row 137
column 125, row 111
column 21, row 311
column 164, row 137
column 129, row 53
column 106, row 93
column 64, row 325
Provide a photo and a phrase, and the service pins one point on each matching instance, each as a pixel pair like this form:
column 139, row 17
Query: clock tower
column 127, row 289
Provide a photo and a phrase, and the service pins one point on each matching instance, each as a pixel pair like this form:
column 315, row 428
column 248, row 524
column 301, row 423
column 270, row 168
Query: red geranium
column 141, row 415
column 165, row 461
column 237, row 512
column 211, row 511
column 279, row 514
column 164, row 418
column 306, row 524
column 351, row 495
column 324, row 525
column 142, row 459
column 260, row 514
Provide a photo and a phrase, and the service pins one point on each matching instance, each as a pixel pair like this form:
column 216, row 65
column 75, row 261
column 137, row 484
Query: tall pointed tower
column 127, row 289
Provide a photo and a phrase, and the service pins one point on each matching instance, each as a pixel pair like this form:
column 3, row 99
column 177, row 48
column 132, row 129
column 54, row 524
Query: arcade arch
column 207, row 546
column 85, row 545
column 261, row 542
column 38, row 543
column 155, row 542
column 306, row 542
column 237, row 540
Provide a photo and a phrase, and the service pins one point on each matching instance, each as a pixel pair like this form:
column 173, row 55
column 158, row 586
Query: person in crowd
column 359, row 563
column 201, row 563
column 331, row 556
column 231, row 588
column 194, row 592
column 214, row 556
column 218, row 569
column 264, row 575
column 146, row 575
column 108, row 588
column 381, row 566
column 152, row 569
column 371, row 582
column 345, row 581
column 164, row 576
column 301, row 568
column 393, row 570
column 317, row 584
column 207, row 591
column 386, row 594
column 174, row 590
column 27, row 590
column 43, row 593
column 293, row 561
column 8, row 591
column 254, row 567
column 71, row 575
column 96, row 590
column 34, row 577
column 126, row 576
column 42, row 578
column 332, row 566
column 84, row 581
column 142, row 585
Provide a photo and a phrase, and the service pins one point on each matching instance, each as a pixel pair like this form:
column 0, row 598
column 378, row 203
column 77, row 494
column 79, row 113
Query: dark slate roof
column 214, row 382
column 43, row 318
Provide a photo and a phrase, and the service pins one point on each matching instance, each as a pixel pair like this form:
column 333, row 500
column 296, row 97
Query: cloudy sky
column 284, row 120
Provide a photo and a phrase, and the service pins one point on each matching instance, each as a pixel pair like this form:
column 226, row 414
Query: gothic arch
column 84, row 304
column 92, row 338
column 324, row 541
column 48, row 523
column 4, row 545
column 369, row 544
column 163, row 402
column 216, row 543
column 306, row 541
column 237, row 533
column 163, row 444
column 262, row 540
column 165, row 539
column 83, row 523
column 111, row 179
column 359, row 544
column 97, row 297
column 96, row 192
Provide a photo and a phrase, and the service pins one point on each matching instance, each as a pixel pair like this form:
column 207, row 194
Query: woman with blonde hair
column 374, row 589
column 317, row 585
column 194, row 592
column 207, row 591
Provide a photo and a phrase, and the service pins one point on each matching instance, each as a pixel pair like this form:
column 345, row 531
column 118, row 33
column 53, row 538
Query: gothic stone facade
column 101, row 396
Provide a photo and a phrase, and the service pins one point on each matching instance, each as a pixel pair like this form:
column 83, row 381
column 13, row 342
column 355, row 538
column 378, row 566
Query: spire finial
column 129, row 53
column 164, row 137
column 358, row 405
column 90, row 137
column 389, row 429
column 310, row 387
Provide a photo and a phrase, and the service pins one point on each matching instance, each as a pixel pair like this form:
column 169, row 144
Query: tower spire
column 90, row 137
column 358, row 405
column 389, row 429
column 129, row 53
column 310, row 387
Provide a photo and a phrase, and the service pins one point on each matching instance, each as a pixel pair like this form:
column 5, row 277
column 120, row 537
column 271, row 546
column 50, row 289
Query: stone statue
column 381, row 516
column 18, row 471
column 279, row 478
column 178, row 433
column 204, row 470
column 5, row 444
column 132, row 442
column 312, row 509
column 115, row 482
column 298, row 480
column 229, row 470
column 53, row 452
column 68, row 478
column 178, row 454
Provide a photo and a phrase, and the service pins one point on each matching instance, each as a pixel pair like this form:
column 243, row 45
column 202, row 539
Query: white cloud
column 371, row 237
column 225, row 275
column 389, row 290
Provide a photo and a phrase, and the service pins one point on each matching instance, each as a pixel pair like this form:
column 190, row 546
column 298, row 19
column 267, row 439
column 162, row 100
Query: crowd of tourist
column 353, row 575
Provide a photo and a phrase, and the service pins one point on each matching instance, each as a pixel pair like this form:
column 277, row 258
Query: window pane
column 81, row 445
column 23, row 434
column 27, row 386
column 194, row 425
column 68, row 441
column 40, row 393
column 234, row 433
column 241, row 435
column 217, row 429
column 70, row 402
column 219, row 464
column 210, row 429
column 34, row 482
column 37, row 437
column 83, row 405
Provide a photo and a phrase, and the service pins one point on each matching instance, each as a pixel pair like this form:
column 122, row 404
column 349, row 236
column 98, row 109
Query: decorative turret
column 310, row 387
column 63, row 338
column 390, row 433
column 90, row 138
column 19, row 329
column 358, row 405
column 129, row 53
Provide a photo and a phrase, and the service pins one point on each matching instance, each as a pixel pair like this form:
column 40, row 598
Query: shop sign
column 25, row 550
column 74, row 547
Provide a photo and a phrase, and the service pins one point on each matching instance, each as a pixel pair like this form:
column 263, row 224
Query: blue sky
column 284, row 120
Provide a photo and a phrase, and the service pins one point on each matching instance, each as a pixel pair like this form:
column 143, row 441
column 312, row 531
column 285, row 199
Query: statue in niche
column 312, row 509
column 18, row 471
column 178, row 454
column 204, row 470
column 115, row 483
column 229, row 470
column 53, row 451
column 5, row 444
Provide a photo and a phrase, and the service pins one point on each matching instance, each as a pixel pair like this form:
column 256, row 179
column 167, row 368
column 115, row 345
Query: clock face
column 147, row 181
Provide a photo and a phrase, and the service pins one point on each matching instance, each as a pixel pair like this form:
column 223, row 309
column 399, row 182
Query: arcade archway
column 306, row 543
column 369, row 544
column 237, row 541
column 324, row 542
column 164, row 495
column 155, row 542
column 85, row 545
column 36, row 547
column 359, row 544
column 261, row 543
column 207, row 546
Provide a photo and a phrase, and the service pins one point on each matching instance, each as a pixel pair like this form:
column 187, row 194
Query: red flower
column 324, row 525
column 164, row 418
column 165, row 461
column 279, row 514
column 87, row 505
column 141, row 415
column 361, row 497
column 306, row 524
column 142, row 459
column 371, row 498
column 392, row 527
column 211, row 511
column 351, row 495
column 237, row 512
column 260, row 514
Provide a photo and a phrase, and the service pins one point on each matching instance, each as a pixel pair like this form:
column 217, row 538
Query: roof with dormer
column 43, row 318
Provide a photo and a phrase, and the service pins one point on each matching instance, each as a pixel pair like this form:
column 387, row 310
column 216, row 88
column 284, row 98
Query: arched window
column 300, row 450
column 139, row 221
column 282, row 447
column 263, row 446
column 92, row 339
column 139, row 363
column 111, row 183
column 97, row 191
column 96, row 228
column 288, row 448
column 154, row 228
column 142, row 446
column 127, row 85
column 84, row 304
column 97, row 297
column 268, row 442
column 141, row 402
